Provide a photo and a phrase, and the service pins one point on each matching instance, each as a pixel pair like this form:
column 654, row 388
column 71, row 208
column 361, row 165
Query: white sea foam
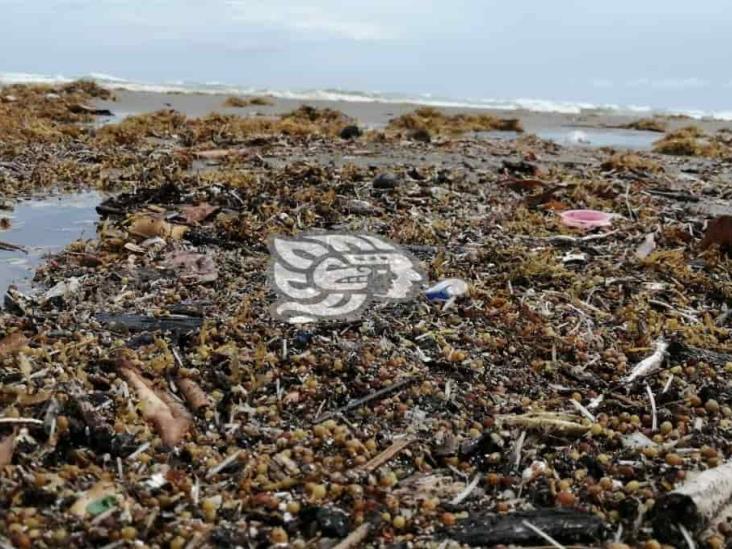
column 426, row 99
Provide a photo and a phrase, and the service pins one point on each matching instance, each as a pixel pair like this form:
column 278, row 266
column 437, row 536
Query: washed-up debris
column 646, row 247
column 142, row 323
column 550, row 422
column 637, row 441
column 64, row 289
column 12, row 343
column 218, row 154
column 98, row 499
column 77, row 108
column 649, row 364
column 170, row 418
column 194, row 395
column 7, row 446
column 446, row 289
column 147, row 226
column 694, row 503
column 193, row 267
column 563, row 525
column 719, row 233
column 585, row 219
column 12, row 247
column 198, row 213
column 228, row 426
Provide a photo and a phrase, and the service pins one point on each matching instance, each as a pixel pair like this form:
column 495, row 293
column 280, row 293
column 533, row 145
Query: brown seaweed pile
column 691, row 141
column 436, row 122
column 148, row 396
column 648, row 124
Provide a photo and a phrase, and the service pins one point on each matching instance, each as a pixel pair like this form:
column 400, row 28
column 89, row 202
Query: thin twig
column 654, row 416
column 20, row 421
column 223, row 464
column 9, row 247
column 582, row 410
column 381, row 393
column 388, row 454
column 458, row 499
column 544, row 535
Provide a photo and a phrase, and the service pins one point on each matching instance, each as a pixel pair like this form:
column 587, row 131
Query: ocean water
column 507, row 104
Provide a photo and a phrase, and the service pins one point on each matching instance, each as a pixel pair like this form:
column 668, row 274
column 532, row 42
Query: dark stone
column 385, row 180
column 520, row 167
column 351, row 132
column 421, row 135
column 302, row 339
column 330, row 521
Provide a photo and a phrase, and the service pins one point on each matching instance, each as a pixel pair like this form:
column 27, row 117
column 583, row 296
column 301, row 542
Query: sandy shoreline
column 373, row 114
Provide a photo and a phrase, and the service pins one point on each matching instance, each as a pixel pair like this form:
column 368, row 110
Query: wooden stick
column 381, row 393
column 7, row 246
column 388, row 454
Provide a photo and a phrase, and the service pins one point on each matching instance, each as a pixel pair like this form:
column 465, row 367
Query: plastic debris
column 446, row 289
column 586, row 219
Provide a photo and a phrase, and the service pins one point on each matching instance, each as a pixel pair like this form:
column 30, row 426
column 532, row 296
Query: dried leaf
column 146, row 226
column 194, row 395
column 12, row 343
column 199, row 213
column 719, row 232
column 7, row 445
column 192, row 266
column 171, row 419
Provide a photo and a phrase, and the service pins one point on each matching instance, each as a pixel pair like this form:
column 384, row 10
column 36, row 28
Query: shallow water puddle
column 602, row 137
column 42, row 227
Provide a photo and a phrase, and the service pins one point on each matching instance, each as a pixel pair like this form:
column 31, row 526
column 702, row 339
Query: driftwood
column 142, row 323
column 563, row 525
column 9, row 247
column 693, row 504
column 680, row 352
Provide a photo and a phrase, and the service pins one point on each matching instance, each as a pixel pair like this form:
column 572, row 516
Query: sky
column 660, row 53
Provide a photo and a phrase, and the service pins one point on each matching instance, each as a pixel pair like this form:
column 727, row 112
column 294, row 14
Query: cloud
column 669, row 83
column 328, row 19
column 602, row 83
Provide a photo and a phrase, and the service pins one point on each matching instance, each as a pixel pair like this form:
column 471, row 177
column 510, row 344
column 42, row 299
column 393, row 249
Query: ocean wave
column 425, row 99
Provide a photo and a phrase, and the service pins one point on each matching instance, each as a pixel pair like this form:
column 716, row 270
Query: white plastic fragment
column 445, row 289
column 649, row 364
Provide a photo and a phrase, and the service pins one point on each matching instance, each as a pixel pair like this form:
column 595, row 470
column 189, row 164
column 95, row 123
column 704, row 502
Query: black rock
column 421, row 135
column 564, row 525
column 351, row 132
column 385, row 181
column 330, row 521
column 520, row 167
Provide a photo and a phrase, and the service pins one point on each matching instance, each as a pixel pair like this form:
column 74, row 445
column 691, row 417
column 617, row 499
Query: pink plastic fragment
column 586, row 219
